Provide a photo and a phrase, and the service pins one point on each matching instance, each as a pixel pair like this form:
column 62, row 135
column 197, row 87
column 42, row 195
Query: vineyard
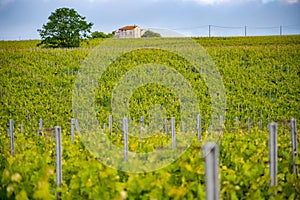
column 261, row 83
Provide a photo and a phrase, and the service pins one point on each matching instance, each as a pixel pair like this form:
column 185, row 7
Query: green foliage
column 261, row 74
column 65, row 28
column 243, row 167
column 149, row 33
column 98, row 34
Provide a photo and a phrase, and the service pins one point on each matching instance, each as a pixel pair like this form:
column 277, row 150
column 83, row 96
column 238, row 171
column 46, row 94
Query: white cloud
column 213, row 2
column 284, row 1
column 292, row 1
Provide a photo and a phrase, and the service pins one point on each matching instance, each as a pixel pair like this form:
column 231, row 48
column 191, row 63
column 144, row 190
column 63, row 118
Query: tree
column 97, row 34
column 65, row 28
column 149, row 33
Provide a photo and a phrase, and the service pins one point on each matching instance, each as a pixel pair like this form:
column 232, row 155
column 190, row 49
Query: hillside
column 261, row 77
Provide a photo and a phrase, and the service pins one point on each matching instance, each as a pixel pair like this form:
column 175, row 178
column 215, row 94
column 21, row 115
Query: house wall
column 134, row 33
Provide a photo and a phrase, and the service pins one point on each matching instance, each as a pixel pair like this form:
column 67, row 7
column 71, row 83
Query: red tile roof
column 127, row 28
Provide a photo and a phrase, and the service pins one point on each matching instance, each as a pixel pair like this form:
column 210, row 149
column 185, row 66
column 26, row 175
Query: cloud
column 284, row 1
column 292, row 1
column 213, row 2
column 3, row 3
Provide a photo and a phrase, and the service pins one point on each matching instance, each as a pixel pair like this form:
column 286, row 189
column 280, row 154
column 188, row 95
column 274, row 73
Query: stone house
column 129, row 32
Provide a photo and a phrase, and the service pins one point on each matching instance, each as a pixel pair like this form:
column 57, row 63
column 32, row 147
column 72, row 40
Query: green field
column 261, row 76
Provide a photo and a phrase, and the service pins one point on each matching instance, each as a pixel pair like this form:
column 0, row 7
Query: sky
column 20, row 19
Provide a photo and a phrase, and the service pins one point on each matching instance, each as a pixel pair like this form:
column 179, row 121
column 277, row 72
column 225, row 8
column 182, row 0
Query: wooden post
column 280, row 30
column 110, row 124
column 249, row 124
column 104, row 127
column 166, row 127
column 77, row 126
column 260, row 124
column 125, row 133
column 12, row 140
column 141, row 123
column 40, row 126
column 173, row 132
column 273, row 153
column 294, row 145
column 58, row 161
column 182, row 126
column 211, row 153
column 21, row 128
column 199, row 127
column 221, row 123
column 72, row 129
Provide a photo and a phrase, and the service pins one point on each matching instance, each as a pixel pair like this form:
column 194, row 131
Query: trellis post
column 211, row 153
column 294, row 145
column 273, row 153
column 58, row 161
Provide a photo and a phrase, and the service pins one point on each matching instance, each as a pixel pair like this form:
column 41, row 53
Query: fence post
column 141, row 123
column 40, row 126
column 166, row 127
column 182, row 126
column 125, row 133
column 221, row 123
column 58, row 160
column 104, row 127
column 11, row 133
column 199, row 127
column 273, row 153
column 110, row 124
column 72, row 129
column 21, row 128
column 237, row 123
column 260, row 124
column 294, row 145
column 173, row 132
column 249, row 124
column 211, row 153
column 77, row 126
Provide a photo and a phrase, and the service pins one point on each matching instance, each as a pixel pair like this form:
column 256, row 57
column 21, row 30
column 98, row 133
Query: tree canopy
column 99, row 34
column 65, row 28
column 149, row 33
